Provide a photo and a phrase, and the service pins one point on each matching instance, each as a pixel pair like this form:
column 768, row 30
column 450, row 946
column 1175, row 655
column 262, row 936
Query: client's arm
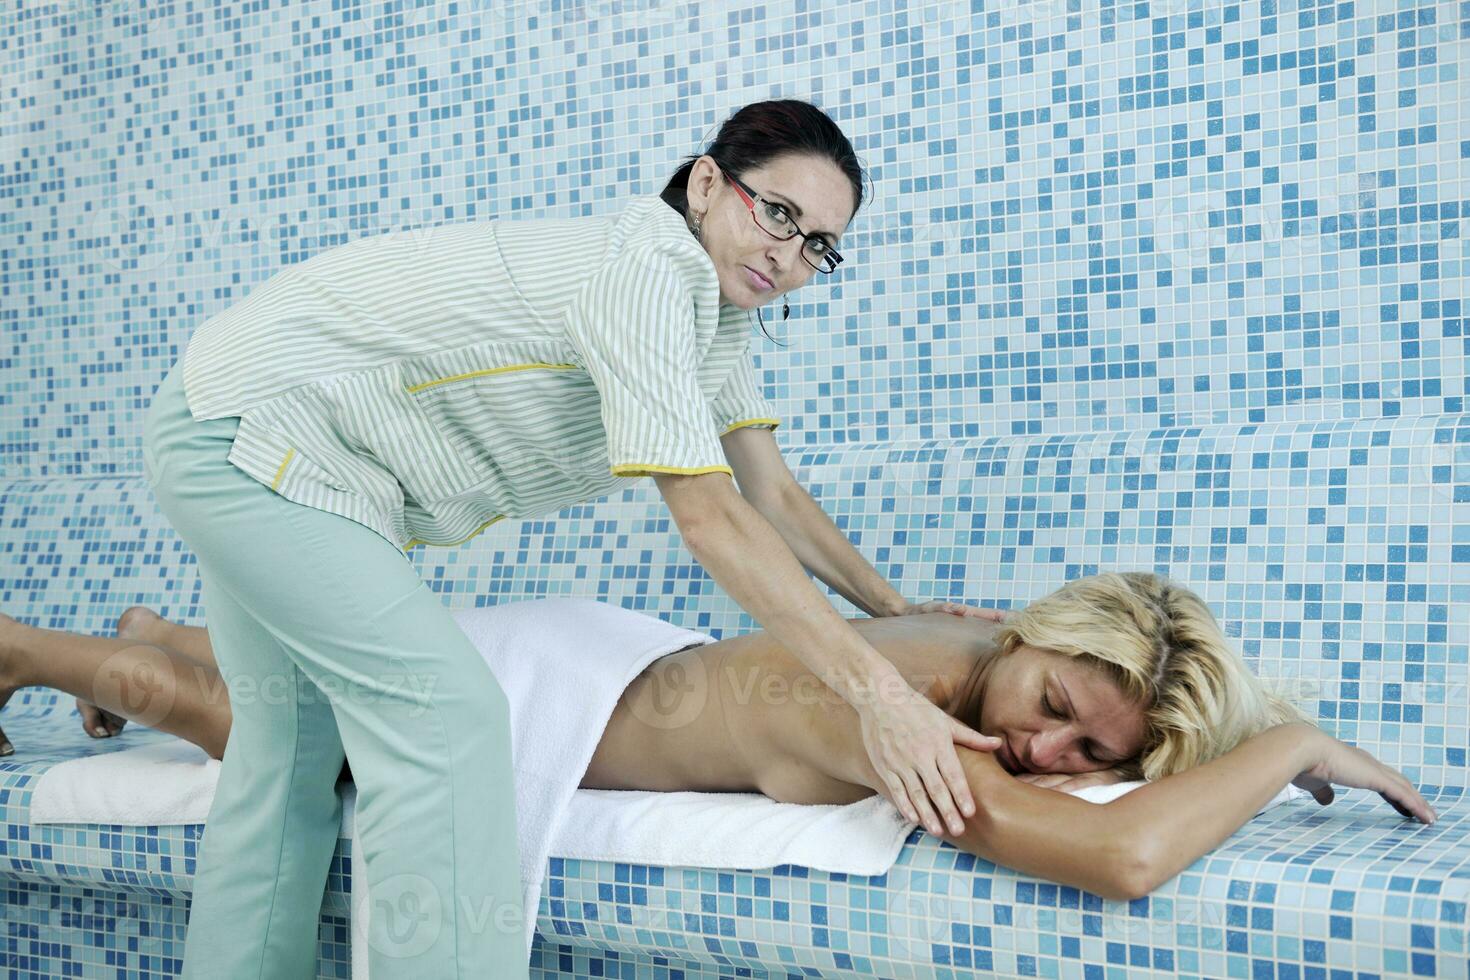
column 1126, row 848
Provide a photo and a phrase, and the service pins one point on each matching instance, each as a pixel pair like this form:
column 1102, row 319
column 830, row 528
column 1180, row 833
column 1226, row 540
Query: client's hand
column 956, row 608
column 98, row 723
column 1338, row 762
column 1068, row 781
column 910, row 742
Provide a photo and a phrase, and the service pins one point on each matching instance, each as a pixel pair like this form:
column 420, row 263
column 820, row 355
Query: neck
column 969, row 695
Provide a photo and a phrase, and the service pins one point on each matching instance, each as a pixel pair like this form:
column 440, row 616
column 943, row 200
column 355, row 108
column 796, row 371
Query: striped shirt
column 428, row 383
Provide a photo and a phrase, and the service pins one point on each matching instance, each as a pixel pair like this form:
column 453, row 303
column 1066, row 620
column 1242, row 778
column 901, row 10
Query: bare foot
column 142, row 623
column 136, row 623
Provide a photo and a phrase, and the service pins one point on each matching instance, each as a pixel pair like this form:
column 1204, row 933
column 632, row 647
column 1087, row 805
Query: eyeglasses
column 772, row 218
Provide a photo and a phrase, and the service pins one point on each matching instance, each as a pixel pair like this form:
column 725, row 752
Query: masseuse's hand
column 910, row 742
column 956, row 608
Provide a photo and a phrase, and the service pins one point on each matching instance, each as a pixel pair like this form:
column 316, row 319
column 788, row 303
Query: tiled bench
column 1241, row 515
column 1343, row 891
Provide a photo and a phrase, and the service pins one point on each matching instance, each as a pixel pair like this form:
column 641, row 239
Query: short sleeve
column 633, row 324
column 740, row 402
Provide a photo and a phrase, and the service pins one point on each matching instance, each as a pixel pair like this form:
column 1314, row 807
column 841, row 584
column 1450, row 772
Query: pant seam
column 270, row 919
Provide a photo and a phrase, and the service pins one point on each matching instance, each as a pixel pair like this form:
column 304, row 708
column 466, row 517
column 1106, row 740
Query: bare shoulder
column 932, row 648
column 806, row 739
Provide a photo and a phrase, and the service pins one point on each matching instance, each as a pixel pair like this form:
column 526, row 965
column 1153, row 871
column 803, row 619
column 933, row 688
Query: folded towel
column 747, row 830
column 168, row 781
column 731, row 830
column 1102, row 794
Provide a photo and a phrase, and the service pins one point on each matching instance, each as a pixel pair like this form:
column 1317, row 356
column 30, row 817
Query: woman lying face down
column 1113, row 677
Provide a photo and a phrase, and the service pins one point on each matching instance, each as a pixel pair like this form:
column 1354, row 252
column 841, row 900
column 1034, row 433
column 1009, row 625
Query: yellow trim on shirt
column 638, row 469
column 281, row 470
column 745, row 422
column 476, row 374
column 414, row 543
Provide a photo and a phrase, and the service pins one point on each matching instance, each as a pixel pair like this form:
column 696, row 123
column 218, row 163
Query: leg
column 142, row 682
column 415, row 706
column 261, row 867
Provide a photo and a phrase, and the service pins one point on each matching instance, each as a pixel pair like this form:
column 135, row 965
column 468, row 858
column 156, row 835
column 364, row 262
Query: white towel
column 747, row 830
column 1102, row 794
column 563, row 664
column 731, row 830
column 167, row 781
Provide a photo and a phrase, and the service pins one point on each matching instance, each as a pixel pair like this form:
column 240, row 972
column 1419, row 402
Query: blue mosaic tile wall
column 1175, row 286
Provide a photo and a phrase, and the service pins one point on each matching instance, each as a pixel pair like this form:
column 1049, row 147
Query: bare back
column 745, row 715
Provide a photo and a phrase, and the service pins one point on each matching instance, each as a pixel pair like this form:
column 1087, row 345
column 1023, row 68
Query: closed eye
column 1046, row 704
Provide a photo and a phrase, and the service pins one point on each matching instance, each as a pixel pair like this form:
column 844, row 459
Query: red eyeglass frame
column 750, row 197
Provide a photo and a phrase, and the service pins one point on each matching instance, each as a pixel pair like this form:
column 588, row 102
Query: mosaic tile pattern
column 1174, row 286
column 1285, row 891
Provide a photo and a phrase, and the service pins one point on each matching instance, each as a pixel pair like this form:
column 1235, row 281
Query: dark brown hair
column 762, row 131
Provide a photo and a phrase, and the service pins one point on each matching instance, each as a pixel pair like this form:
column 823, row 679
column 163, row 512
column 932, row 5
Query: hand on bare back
column 910, row 742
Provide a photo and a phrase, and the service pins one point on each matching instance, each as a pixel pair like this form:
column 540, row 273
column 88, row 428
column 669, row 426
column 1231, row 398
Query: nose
column 785, row 253
column 1047, row 747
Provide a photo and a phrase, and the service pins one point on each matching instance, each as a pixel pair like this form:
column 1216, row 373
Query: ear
column 704, row 179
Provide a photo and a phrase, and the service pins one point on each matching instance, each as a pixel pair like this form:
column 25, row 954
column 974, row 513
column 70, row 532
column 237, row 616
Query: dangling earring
column 785, row 309
column 696, row 229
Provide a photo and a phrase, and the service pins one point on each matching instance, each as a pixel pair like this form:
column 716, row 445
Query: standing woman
column 415, row 388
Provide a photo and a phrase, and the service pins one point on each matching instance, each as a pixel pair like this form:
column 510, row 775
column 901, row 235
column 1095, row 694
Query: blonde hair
column 1161, row 645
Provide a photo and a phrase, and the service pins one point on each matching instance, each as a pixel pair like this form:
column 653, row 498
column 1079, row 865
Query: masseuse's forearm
column 821, row 546
column 746, row 556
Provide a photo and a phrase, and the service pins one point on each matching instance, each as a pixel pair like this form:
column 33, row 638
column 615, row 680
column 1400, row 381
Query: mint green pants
column 332, row 647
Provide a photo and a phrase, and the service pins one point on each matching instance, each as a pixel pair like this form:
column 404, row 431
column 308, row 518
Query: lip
column 1011, row 760
column 1005, row 756
column 760, row 281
